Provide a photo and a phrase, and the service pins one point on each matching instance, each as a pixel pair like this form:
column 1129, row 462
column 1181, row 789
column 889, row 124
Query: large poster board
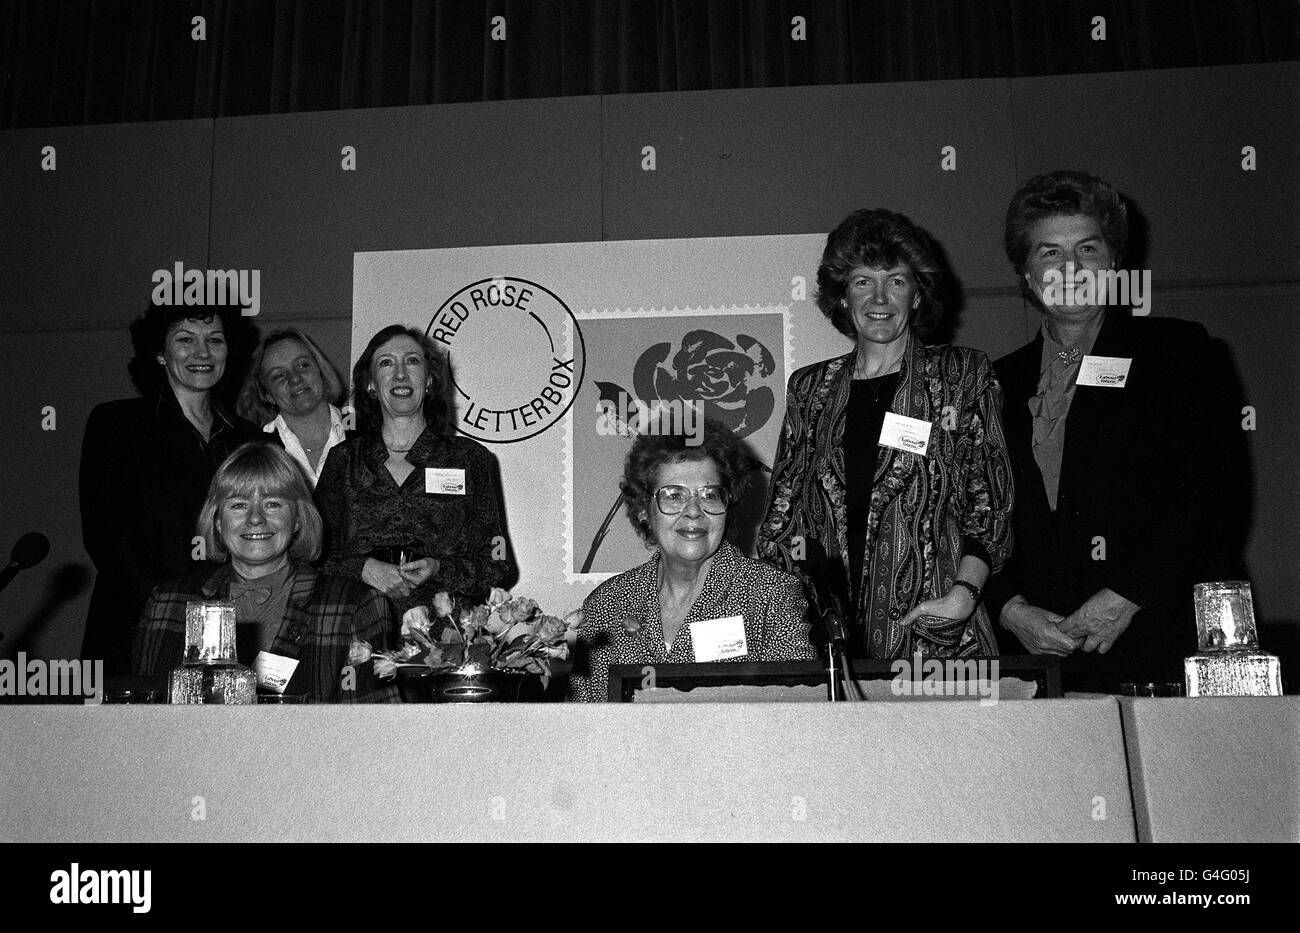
column 552, row 347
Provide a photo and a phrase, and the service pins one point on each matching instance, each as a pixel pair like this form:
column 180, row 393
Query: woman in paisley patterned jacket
column 893, row 456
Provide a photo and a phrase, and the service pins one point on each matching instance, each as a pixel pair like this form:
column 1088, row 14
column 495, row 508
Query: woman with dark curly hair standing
column 698, row 598
column 146, row 464
column 892, row 457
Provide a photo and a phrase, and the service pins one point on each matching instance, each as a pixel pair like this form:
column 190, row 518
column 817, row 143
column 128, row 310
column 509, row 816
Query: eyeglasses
column 672, row 499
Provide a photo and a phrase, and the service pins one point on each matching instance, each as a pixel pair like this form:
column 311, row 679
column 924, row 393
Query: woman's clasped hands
column 398, row 580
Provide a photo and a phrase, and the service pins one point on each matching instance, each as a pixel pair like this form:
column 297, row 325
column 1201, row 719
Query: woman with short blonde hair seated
column 259, row 519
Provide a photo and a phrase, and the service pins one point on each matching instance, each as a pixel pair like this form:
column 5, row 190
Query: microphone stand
column 832, row 670
column 824, row 596
column 833, row 619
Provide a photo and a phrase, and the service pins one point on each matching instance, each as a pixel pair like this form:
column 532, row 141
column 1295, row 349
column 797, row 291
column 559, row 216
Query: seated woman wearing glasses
column 697, row 598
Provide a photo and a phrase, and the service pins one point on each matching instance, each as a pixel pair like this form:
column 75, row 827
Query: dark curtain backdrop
column 69, row 63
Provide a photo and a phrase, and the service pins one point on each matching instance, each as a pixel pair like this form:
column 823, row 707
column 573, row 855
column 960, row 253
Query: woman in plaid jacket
column 259, row 513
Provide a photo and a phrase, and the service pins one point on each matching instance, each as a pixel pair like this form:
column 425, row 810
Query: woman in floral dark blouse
column 382, row 524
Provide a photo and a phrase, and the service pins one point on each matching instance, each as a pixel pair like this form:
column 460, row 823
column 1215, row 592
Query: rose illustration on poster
column 716, row 371
column 707, row 370
column 703, row 373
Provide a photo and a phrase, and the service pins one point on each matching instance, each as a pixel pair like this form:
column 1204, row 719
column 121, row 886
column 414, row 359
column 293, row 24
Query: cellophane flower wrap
column 507, row 632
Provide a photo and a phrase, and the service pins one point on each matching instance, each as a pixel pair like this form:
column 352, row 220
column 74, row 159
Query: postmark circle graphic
column 515, row 354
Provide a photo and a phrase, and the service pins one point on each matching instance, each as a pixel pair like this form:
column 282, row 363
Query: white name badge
column 274, row 671
column 1105, row 372
column 444, row 482
column 719, row 639
column 910, row 435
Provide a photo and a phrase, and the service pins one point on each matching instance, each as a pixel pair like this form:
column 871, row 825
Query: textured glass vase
column 1228, row 662
column 211, row 672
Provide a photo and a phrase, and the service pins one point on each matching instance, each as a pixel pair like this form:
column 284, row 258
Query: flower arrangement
column 507, row 632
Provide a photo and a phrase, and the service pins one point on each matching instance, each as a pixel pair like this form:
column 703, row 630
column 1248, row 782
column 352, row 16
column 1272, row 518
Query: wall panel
column 798, row 160
column 1171, row 142
column 83, row 241
column 457, row 175
column 43, row 611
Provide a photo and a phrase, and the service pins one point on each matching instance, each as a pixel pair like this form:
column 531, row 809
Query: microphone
column 830, row 595
column 28, row 552
column 830, row 589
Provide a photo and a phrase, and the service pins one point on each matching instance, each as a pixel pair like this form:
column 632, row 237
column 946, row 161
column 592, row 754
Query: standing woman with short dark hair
column 891, row 457
column 146, row 464
column 1123, row 434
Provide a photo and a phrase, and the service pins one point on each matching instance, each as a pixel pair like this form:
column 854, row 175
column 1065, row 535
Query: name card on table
column 274, row 671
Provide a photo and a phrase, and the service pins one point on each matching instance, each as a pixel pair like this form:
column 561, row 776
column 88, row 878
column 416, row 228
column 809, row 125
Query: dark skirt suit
column 324, row 615
column 771, row 602
column 924, row 512
column 144, row 476
column 1149, row 485
column 365, row 512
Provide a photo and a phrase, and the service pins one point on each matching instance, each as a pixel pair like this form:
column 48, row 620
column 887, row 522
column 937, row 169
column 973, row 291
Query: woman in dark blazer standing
column 1121, row 434
column 146, row 464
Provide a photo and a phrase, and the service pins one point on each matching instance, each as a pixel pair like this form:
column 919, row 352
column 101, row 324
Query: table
column 1027, row 770
column 1215, row 769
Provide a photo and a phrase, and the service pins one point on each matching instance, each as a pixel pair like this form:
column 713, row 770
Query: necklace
column 860, row 373
column 402, row 450
column 302, row 437
column 871, row 382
